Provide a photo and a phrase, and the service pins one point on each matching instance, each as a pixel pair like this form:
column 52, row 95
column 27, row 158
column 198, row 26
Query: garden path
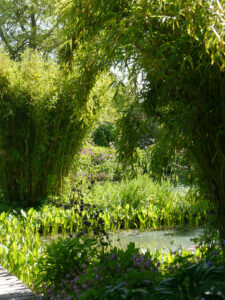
column 11, row 288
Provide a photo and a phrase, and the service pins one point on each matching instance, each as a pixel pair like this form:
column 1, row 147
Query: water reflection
column 152, row 240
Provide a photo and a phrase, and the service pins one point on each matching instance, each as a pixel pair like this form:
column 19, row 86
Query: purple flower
column 90, row 151
column 84, row 151
column 209, row 264
column 215, row 253
column 113, row 256
column 67, row 275
column 84, row 286
column 223, row 242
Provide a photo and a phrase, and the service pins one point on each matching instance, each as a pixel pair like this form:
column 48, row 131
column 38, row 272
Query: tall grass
column 142, row 203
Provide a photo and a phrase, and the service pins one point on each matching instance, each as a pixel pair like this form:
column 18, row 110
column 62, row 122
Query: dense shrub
column 132, row 275
column 100, row 164
column 65, row 256
column 45, row 114
column 104, row 135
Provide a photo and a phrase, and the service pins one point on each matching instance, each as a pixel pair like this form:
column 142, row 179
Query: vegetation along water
column 112, row 125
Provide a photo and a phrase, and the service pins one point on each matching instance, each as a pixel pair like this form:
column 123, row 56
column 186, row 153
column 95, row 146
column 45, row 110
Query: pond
column 163, row 239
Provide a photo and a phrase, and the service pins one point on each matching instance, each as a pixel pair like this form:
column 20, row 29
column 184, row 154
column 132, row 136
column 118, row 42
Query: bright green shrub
column 45, row 114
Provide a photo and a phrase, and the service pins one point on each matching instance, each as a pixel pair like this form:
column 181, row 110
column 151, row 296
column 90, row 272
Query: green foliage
column 24, row 235
column 178, row 48
column 95, row 164
column 113, row 276
column 31, row 249
column 65, row 257
column 104, row 135
column 129, row 274
column 27, row 24
column 100, row 164
column 142, row 203
column 106, row 132
column 45, row 113
column 196, row 281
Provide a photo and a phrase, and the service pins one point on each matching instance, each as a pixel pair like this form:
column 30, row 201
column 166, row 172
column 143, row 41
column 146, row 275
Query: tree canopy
column 27, row 24
column 178, row 48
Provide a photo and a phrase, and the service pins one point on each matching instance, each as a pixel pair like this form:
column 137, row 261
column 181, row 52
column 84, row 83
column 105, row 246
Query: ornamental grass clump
column 45, row 113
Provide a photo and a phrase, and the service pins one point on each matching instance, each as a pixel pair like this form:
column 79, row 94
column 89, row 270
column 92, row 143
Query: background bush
column 104, row 135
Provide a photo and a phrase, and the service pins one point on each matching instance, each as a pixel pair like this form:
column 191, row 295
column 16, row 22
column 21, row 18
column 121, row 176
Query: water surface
column 163, row 239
